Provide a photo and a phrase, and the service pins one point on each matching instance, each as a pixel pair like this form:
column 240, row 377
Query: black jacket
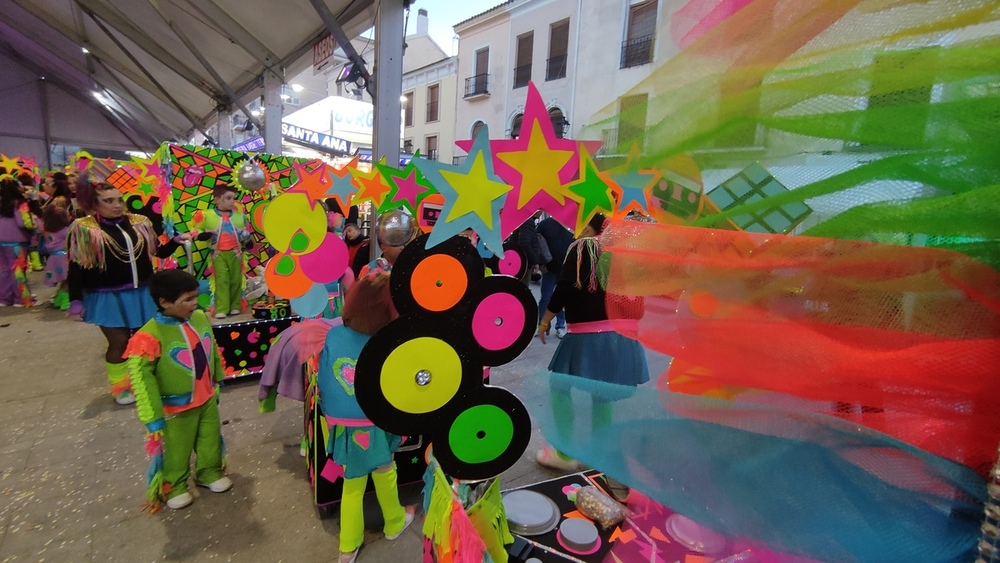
column 525, row 236
column 558, row 238
column 115, row 272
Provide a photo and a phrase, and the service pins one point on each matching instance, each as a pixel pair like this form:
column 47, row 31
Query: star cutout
column 371, row 187
column 632, row 185
column 473, row 196
column 9, row 164
column 341, row 187
column 409, row 187
column 539, row 167
column 314, row 183
column 593, row 193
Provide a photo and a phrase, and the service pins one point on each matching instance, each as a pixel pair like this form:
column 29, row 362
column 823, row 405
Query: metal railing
column 477, row 85
column 431, row 154
column 555, row 67
column 459, row 160
column 638, row 51
column 522, row 75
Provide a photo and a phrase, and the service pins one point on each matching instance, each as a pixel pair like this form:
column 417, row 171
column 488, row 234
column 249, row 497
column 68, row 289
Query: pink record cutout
column 512, row 263
column 498, row 321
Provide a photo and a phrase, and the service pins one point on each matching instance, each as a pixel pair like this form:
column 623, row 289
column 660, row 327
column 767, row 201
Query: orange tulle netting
column 900, row 339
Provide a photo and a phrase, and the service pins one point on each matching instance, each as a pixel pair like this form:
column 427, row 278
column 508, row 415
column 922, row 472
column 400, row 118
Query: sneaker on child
column 220, row 485
column 180, row 501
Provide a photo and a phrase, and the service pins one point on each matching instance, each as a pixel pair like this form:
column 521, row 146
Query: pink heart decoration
column 363, row 439
column 348, row 371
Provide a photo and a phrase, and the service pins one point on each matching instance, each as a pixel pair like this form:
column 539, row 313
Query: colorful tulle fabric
column 800, row 483
column 902, row 340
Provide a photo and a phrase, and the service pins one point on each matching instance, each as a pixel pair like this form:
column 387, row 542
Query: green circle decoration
column 481, row 434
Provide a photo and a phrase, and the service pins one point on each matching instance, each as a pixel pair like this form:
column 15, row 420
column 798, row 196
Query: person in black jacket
column 110, row 261
column 526, row 237
column 558, row 238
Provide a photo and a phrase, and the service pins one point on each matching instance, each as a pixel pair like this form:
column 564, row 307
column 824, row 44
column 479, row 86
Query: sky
column 443, row 14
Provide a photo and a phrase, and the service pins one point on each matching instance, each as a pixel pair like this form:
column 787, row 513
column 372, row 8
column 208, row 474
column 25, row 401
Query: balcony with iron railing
column 459, row 160
column 522, row 75
column 638, row 51
column 555, row 67
column 477, row 86
column 432, row 154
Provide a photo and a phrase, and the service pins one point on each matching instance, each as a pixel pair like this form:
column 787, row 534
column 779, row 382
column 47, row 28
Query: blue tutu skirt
column 601, row 356
column 126, row 308
column 362, row 449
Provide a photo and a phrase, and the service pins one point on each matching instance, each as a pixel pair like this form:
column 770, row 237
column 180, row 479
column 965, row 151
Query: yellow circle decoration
column 292, row 216
column 421, row 375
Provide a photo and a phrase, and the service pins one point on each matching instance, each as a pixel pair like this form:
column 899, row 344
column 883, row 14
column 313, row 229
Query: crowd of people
column 161, row 353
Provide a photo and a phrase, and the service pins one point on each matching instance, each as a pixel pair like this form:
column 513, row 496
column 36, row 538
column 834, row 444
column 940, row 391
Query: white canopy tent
column 129, row 74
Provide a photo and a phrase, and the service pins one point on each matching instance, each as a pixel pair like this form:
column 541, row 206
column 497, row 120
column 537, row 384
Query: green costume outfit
column 175, row 368
column 228, row 280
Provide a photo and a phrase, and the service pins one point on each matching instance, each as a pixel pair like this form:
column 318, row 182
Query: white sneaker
column 220, row 315
column 410, row 511
column 235, row 312
column 560, row 332
column 180, row 501
column 220, row 485
column 125, row 399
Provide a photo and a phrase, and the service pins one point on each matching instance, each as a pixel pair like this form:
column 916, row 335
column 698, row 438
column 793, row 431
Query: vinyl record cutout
column 413, row 370
column 486, row 437
column 434, row 280
column 502, row 320
column 514, row 261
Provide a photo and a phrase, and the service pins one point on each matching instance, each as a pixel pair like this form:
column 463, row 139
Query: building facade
column 518, row 41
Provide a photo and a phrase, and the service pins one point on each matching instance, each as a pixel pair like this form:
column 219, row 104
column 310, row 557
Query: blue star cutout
column 465, row 186
column 635, row 186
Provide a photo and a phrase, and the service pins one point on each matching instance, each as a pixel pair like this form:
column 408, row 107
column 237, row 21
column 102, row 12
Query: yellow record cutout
column 293, row 223
column 421, row 375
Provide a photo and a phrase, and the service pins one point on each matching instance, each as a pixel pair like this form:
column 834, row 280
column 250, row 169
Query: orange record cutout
column 438, row 283
column 284, row 276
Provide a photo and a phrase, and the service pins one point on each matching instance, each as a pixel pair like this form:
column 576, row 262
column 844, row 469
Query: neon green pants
column 228, row 273
column 197, row 430
column 352, row 515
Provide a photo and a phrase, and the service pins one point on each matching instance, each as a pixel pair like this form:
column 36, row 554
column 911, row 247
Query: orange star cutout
column 315, row 183
column 371, row 187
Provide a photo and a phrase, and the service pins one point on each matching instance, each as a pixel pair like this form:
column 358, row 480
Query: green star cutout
column 592, row 191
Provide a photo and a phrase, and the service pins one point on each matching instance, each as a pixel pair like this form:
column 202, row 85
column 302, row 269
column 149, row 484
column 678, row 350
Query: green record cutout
column 487, row 435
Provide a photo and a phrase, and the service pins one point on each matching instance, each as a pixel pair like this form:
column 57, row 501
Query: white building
column 503, row 48
column 429, row 94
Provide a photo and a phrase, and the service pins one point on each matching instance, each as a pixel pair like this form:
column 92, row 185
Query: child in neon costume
column 16, row 227
column 228, row 228
column 360, row 447
column 175, row 368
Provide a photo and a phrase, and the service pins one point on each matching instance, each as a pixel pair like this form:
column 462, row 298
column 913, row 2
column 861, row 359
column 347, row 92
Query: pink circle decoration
column 498, row 321
column 510, row 264
column 328, row 262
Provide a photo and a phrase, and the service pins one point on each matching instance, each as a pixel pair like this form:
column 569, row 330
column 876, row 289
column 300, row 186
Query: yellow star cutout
column 539, row 167
column 475, row 190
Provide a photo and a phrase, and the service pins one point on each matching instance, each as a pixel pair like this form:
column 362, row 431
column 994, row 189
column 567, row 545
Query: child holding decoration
column 175, row 368
column 360, row 447
column 16, row 227
column 227, row 228
column 55, row 227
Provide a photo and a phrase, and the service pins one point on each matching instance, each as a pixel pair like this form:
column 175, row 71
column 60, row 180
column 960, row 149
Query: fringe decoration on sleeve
column 156, row 489
column 490, row 520
column 144, row 345
column 143, row 406
column 29, row 222
column 85, row 243
column 437, row 507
